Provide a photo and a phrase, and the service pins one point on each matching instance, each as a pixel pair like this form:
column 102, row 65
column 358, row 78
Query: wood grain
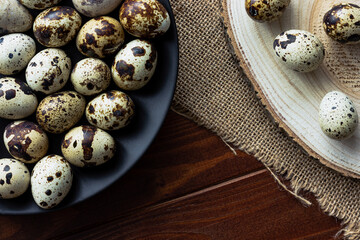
column 293, row 98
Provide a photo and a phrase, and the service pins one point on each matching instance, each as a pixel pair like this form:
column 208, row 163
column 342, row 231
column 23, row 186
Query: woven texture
column 214, row 92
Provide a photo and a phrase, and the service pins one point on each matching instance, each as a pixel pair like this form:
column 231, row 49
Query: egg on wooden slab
column 14, row 178
column 48, row 71
column 59, row 112
column 110, row 111
column 265, row 11
column 25, row 141
column 14, row 17
column 338, row 117
column 144, row 18
column 90, row 76
column 16, row 99
column 16, row 50
column 39, row 4
column 51, row 181
column 88, row 146
column 56, row 26
column 342, row 23
column 299, row 50
column 100, row 37
column 91, row 8
column 134, row 65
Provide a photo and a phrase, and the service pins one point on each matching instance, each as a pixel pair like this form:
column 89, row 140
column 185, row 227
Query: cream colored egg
column 265, row 11
column 91, row 8
column 39, row 4
column 14, row 17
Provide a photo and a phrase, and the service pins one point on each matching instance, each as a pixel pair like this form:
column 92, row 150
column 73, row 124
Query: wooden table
column 189, row 185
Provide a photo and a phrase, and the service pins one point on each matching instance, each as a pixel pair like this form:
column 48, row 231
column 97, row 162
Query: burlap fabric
column 214, row 92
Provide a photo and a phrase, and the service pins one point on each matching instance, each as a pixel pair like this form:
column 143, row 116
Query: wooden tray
column 292, row 98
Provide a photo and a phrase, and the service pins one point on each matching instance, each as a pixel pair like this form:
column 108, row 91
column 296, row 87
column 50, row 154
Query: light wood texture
column 293, row 98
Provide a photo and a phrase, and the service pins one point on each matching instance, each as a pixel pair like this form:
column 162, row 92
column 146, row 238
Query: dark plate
column 152, row 103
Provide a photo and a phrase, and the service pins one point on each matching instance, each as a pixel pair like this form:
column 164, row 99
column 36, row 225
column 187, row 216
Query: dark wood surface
column 188, row 185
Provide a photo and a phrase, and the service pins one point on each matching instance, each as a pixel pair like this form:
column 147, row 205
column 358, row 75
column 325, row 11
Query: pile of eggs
column 49, row 70
column 302, row 51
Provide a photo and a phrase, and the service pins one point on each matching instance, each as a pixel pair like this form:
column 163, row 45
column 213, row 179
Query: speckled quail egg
column 14, row 17
column 134, row 65
column 144, row 18
column 14, row 178
column 342, row 23
column 51, row 181
column 58, row 112
column 90, row 76
column 100, row 37
column 88, row 146
column 338, row 117
column 111, row 110
column 91, row 8
column 39, row 4
column 57, row 26
column 16, row 50
column 16, row 99
column 299, row 50
column 265, row 11
column 48, row 71
column 25, row 141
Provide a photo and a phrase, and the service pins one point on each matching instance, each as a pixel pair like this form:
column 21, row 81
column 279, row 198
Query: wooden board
column 293, row 98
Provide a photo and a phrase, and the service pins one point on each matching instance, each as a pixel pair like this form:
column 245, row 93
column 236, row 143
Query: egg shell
column 56, row 26
column 87, row 146
column 16, row 50
column 51, row 181
column 14, row 178
column 100, row 37
column 134, row 65
column 91, row 8
column 144, row 18
column 16, row 99
column 299, row 50
column 39, row 4
column 48, row 71
column 90, row 76
column 25, row 141
column 265, row 11
column 58, row 112
column 14, row 17
column 110, row 111
column 338, row 117
column 341, row 23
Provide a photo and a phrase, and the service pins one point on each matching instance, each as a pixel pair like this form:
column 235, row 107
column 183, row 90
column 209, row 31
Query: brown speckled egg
column 91, row 8
column 111, row 110
column 51, row 181
column 100, row 37
column 14, row 17
column 16, row 99
column 144, row 18
column 90, row 76
column 39, row 4
column 58, row 112
column 25, row 141
column 342, row 23
column 14, row 178
column 134, row 65
column 265, row 11
column 57, row 26
column 88, row 146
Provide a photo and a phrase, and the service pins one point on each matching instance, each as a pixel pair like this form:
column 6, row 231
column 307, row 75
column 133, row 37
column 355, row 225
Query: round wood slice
column 293, row 98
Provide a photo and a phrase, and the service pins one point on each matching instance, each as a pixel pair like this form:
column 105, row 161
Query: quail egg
column 110, row 111
column 144, row 18
column 14, row 17
column 16, row 99
column 91, row 8
column 51, row 180
column 265, row 11
column 338, row 117
column 39, row 4
column 14, row 178
column 16, row 50
column 58, row 112
column 87, row 146
column 299, row 50
column 25, row 141
column 56, row 26
column 134, row 65
column 90, row 76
